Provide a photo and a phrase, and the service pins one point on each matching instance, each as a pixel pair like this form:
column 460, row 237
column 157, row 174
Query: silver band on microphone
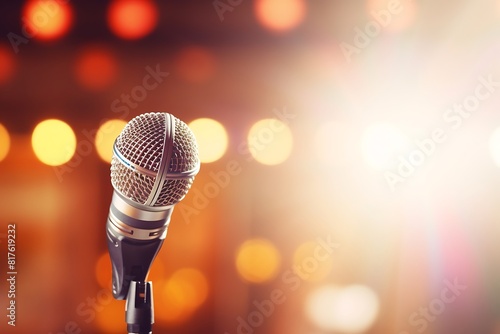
column 120, row 228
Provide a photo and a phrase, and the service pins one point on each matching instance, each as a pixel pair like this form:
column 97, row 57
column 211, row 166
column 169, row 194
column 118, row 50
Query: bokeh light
column 4, row 142
column 195, row 64
column 181, row 295
column 495, row 146
column 211, row 137
column 381, row 144
column 109, row 310
column 306, row 258
column 352, row 309
column 132, row 19
column 7, row 64
column 257, row 260
column 270, row 141
column 105, row 138
column 96, row 68
column 53, row 142
column 47, row 19
column 332, row 143
column 280, row 15
column 392, row 16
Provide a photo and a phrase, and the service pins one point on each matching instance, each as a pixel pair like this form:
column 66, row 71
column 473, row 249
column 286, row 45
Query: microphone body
column 155, row 160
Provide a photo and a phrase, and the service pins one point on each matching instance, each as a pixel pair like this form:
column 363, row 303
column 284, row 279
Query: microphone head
column 155, row 160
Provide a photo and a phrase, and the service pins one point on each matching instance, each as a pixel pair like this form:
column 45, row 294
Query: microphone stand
column 139, row 308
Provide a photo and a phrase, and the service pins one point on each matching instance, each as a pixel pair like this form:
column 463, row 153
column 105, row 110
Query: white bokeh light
column 352, row 309
column 495, row 146
column 381, row 143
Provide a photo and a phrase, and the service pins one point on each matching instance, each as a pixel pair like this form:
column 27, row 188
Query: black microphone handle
column 139, row 308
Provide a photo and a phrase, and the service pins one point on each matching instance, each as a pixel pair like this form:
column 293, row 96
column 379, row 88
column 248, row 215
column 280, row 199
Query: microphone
column 155, row 160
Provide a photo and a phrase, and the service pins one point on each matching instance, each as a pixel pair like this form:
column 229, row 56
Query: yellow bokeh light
column 495, row 146
column 270, row 141
column 53, row 142
column 280, row 15
column 106, row 136
column 257, row 260
column 182, row 294
column 352, row 309
column 211, row 137
column 381, row 144
column 316, row 265
column 4, row 142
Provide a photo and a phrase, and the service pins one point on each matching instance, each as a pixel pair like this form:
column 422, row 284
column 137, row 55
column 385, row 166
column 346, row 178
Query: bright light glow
column 257, row 260
column 132, row 19
column 211, row 137
column 332, row 145
column 280, row 15
column 4, row 142
column 270, row 141
column 6, row 64
column 195, row 64
column 96, row 68
column 399, row 15
column 381, row 144
column 53, row 142
column 495, row 146
column 352, row 309
column 304, row 258
column 106, row 136
column 182, row 294
column 47, row 19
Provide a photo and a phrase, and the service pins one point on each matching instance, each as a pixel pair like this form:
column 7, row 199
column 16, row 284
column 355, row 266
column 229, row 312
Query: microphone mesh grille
column 141, row 142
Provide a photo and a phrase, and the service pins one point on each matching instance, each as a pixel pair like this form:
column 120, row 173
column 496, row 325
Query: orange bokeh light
column 47, row 19
column 132, row 19
column 280, row 15
column 195, row 64
column 181, row 295
column 96, row 68
column 6, row 64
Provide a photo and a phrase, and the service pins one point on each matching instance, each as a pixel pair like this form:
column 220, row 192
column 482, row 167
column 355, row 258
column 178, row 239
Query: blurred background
column 350, row 163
